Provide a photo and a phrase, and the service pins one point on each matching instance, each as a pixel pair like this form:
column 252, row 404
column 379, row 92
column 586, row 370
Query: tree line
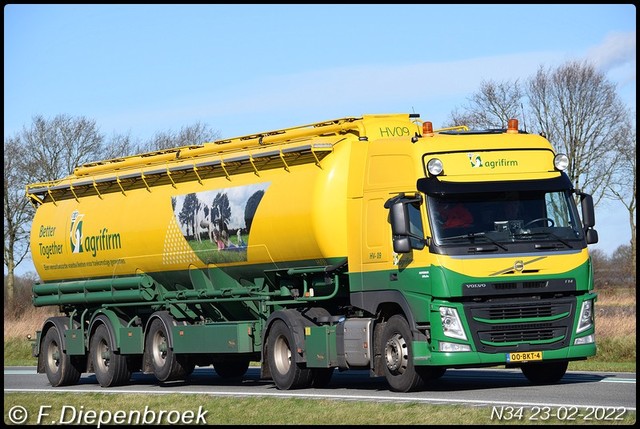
column 573, row 105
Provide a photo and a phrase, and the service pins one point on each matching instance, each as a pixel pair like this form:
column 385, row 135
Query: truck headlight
column 586, row 316
column 451, row 325
column 435, row 167
column 561, row 161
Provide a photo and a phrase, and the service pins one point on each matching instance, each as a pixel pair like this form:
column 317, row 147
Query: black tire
column 57, row 364
column 321, row 377
column 167, row 366
column 286, row 371
column 188, row 364
column 397, row 351
column 109, row 366
column 545, row 372
column 232, row 369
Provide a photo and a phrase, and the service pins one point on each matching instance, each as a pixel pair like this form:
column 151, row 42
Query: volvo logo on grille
column 518, row 266
column 475, row 285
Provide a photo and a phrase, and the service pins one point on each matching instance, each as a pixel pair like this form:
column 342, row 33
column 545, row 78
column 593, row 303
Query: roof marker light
column 427, row 128
column 512, row 127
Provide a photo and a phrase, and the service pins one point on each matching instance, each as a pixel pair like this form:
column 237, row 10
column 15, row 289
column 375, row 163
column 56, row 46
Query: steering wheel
column 541, row 219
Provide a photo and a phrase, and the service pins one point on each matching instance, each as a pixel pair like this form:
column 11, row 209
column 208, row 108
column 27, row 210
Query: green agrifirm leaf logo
column 476, row 162
column 103, row 240
column 475, row 159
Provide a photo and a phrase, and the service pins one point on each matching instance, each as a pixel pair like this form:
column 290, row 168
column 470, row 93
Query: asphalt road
column 475, row 387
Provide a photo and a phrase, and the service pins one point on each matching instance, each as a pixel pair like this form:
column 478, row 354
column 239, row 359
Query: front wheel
column 57, row 364
column 544, row 373
column 286, row 371
column 399, row 370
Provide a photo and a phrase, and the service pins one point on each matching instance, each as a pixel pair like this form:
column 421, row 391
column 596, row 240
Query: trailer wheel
column 234, row 369
column 544, row 373
column 110, row 367
column 57, row 364
column 167, row 366
column 286, row 372
column 399, row 370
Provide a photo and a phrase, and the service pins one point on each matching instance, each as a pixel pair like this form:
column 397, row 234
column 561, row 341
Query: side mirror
column 588, row 213
column 399, row 218
column 403, row 238
column 588, row 217
column 401, row 244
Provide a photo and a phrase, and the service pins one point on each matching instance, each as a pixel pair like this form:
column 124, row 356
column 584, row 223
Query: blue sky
column 242, row 69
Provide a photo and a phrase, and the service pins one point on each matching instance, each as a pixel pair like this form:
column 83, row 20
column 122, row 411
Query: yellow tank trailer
column 356, row 243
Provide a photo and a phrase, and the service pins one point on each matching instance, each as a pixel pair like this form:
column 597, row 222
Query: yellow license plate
column 523, row 356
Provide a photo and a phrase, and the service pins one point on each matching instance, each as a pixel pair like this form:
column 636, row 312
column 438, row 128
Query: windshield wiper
column 474, row 235
column 550, row 234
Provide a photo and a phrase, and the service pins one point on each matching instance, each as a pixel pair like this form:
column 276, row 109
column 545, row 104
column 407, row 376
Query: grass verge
column 101, row 409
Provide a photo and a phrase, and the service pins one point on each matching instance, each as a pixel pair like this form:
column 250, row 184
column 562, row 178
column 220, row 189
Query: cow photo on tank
column 216, row 223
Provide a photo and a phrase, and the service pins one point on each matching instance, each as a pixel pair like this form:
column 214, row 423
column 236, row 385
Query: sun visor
column 431, row 185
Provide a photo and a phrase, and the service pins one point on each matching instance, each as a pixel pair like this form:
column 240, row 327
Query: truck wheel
column 235, row 369
column 286, row 372
column 57, row 364
column 544, row 373
column 399, row 370
column 166, row 365
column 110, row 367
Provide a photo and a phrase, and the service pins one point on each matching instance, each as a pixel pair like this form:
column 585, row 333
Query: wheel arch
column 296, row 320
column 61, row 323
column 112, row 322
column 385, row 304
column 167, row 320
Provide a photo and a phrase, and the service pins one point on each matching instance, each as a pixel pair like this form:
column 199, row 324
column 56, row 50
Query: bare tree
column 56, row 147
column 622, row 186
column 579, row 111
column 492, row 106
column 17, row 212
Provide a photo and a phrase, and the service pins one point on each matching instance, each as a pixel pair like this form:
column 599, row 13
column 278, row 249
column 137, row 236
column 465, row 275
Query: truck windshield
column 505, row 217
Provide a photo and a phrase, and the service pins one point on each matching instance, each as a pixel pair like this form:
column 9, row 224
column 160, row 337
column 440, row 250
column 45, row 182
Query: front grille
column 521, row 335
column 497, row 325
column 534, row 285
column 563, row 285
column 520, row 311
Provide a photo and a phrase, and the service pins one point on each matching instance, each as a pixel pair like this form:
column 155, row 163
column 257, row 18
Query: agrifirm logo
column 476, row 162
column 91, row 243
